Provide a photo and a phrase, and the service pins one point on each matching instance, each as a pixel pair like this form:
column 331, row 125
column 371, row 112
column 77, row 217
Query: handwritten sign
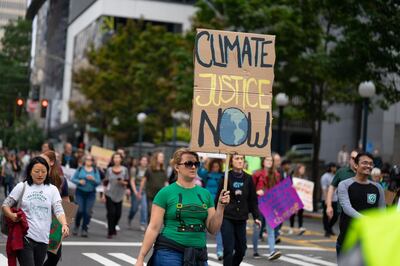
column 233, row 92
column 102, row 156
column 279, row 203
column 304, row 189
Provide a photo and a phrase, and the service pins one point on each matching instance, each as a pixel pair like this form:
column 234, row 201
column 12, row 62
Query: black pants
column 52, row 259
column 328, row 224
column 33, row 253
column 233, row 239
column 300, row 217
column 114, row 210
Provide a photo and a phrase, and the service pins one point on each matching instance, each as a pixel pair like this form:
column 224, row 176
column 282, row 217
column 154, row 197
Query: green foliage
column 24, row 134
column 142, row 68
column 14, row 70
column 182, row 134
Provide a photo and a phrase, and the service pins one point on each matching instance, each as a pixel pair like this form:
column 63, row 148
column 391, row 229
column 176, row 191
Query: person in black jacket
column 243, row 201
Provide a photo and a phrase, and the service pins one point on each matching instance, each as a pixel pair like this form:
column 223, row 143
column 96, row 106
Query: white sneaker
column 302, row 230
column 142, row 228
column 290, row 232
column 117, row 228
column 274, row 255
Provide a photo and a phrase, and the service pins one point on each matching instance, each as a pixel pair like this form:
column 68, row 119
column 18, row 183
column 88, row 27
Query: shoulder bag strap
column 20, row 197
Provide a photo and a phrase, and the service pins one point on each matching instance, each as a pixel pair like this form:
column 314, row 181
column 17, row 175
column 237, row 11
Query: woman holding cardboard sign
column 187, row 211
column 56, row 179
column 244, row 201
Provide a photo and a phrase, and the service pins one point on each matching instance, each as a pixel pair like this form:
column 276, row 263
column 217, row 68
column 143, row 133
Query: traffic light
column 20, row 105
column 43, row 111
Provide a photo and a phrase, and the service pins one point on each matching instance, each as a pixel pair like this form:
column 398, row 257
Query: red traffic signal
column 45, row 103
column 20, row 102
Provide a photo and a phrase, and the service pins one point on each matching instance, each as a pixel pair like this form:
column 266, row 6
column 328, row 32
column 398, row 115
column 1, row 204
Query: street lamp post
column 366, row 90
column 281, row 100
column 141, row 117
column 177, row 117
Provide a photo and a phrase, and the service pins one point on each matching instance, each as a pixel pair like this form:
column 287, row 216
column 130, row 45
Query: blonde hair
column 177, row 157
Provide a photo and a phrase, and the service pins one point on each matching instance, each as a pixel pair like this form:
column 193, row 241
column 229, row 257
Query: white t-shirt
column 37, row 204
column 326, row 180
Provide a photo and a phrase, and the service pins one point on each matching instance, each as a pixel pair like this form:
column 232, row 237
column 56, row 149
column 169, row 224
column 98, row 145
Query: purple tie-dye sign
column 279, row 203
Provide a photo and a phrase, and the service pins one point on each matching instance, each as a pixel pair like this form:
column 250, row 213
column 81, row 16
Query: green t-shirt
column 341, row 175
column 195, row 204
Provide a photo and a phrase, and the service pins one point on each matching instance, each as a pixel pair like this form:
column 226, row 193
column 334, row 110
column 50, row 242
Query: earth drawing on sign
column 234, row 127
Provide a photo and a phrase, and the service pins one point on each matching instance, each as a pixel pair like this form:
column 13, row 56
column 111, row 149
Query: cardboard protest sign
column 102, row 156
column 279, row 203
column 304, row 189
column 232, row 92
column 70, row 210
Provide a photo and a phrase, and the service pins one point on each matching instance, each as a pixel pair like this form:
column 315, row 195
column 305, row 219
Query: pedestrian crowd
column 177, row 204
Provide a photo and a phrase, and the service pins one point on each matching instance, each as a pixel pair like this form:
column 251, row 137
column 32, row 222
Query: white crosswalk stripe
column 296, row 261
column 311, row 259
column 3, row 260
column 124, row 257
column 214, row 256
column 100, row 259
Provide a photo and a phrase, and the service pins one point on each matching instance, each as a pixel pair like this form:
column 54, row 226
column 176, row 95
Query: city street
column 310, row 249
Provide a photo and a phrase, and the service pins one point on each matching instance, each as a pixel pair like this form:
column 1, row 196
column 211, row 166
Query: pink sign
column 279, row 203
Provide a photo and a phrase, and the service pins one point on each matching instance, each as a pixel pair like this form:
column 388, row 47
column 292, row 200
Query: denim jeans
column 135, row 203
column 220, row 246
column 270, row 239
column 234, row 240
column 168, row 257
column 85, row 201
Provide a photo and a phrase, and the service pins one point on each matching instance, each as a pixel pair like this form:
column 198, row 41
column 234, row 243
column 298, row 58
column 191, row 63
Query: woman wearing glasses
column 187, row 212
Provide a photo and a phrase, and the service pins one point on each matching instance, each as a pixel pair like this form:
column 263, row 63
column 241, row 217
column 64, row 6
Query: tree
column 324, row 50
column 14, row 69
column 140, row 69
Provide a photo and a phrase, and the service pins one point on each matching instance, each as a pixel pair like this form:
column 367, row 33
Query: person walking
column 358, row 194
column 326, row 180
column 154, row 179
column 86, row 179
column 68, row 159
column 56, row 179
column 243, row 201
column 342, row 174
column 267, row 178
column 39, row 199
column 138, row 199
column 299, row 172
column 116, row 181
column 187, row 212
column 211, row 176
column 10, row 172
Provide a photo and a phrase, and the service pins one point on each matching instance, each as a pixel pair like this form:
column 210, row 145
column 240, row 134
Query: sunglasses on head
column 190, row 164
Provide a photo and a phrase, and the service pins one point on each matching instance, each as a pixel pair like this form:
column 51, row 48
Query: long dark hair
column 30, row 166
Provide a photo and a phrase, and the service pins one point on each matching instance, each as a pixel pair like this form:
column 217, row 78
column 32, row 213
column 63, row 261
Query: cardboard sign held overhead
column 232, row 100
column 102, row 156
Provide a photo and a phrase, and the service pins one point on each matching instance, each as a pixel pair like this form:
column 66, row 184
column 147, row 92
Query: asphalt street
column 310, row 249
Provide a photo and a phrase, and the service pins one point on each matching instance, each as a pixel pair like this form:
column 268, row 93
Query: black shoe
column 84, row 233
column 327, row 234
column 256, row 255
column 274, row 255
column 332, row 233
column 277, row 240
